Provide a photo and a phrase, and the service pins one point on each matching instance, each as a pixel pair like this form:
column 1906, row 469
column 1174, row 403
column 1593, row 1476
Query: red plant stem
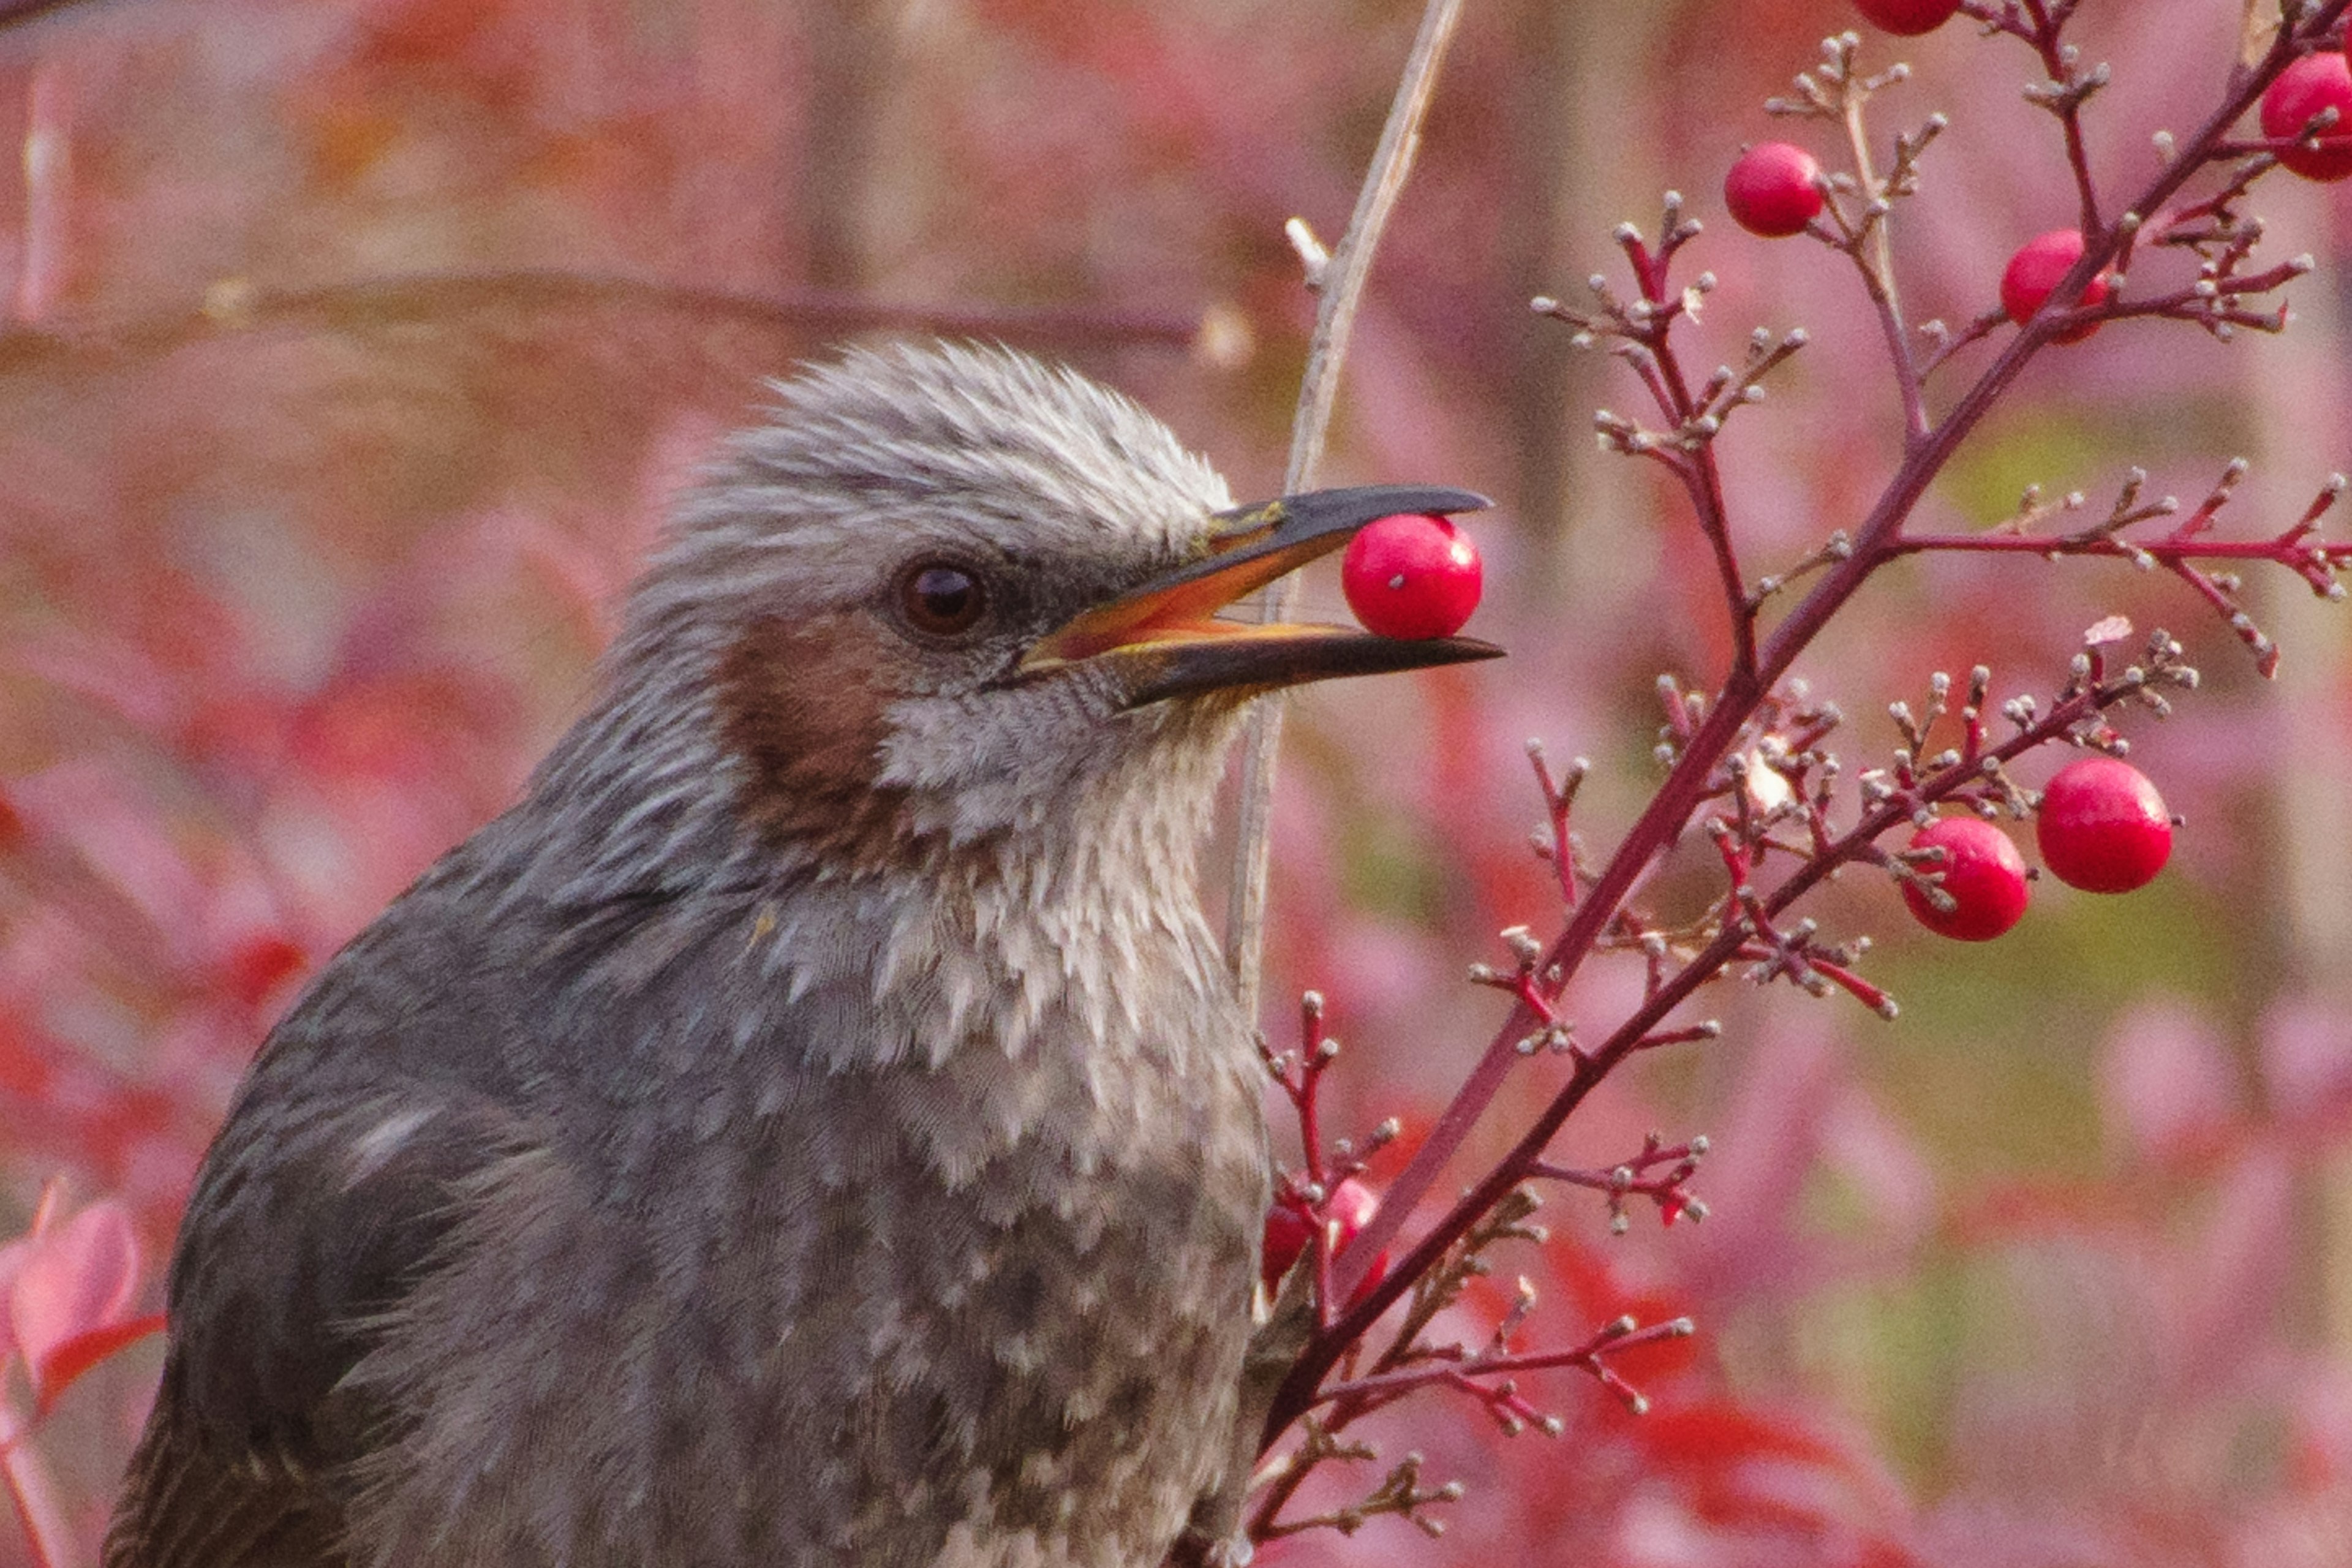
column 1877, row 270
column 1310, row 1119
column 1319, row 1238
column 2211, row 592
column 1697, row 470
column 1588, row 1354
column 1662, row 823
column 1862, row 991
column 2223, row 150
column 2044, row 37
column 2285, row 552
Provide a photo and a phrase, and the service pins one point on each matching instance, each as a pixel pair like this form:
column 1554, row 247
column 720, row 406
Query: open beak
column 1167, row 643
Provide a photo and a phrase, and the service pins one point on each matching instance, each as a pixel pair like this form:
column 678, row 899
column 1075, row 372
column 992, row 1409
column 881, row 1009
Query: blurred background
column 353, row 348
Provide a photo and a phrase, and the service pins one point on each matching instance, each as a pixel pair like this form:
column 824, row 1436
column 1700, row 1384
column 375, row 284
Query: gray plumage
column 812, row 1125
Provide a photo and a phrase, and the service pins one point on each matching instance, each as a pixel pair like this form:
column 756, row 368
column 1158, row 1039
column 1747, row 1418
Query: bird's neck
column 1092, row 934
column 1081, row 916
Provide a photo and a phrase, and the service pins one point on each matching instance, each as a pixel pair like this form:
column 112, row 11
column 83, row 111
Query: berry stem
column 1661, row 369
column 2062, row 95
column 1877, row 267
column 1381, row 1388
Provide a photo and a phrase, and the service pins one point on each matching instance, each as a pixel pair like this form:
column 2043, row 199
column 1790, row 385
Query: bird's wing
column 195, row 1499
column 314, row 1215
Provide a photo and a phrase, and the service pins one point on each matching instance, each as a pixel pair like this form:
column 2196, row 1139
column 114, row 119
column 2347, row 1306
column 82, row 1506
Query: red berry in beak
column 1411, row 577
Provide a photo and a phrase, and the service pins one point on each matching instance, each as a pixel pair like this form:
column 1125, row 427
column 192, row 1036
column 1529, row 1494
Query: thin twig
column 1342, row 290
column 236, row 305
column 1877, row 270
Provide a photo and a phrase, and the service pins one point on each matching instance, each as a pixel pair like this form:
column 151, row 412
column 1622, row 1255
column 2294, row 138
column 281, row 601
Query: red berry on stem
column 2102, row 827
column 1412, row 576
column 1287, row 1227
column 2310, row 84
column 1982, row 873
column 1908, row 17
column 2036, row 270
column 1772, row 190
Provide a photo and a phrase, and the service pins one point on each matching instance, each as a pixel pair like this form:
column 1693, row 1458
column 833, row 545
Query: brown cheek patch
column 802, row 704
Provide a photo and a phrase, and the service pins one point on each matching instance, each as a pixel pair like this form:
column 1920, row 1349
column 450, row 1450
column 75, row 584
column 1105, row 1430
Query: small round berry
column 1982, row 872
column 2035, row 270
column 2310, row 85
column 1414, row 576
column 2102, row 827
column 1772, row 190
column 1908, row 17
column 1352, row 1205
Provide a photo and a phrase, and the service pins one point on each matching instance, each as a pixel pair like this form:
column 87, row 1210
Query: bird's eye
column 940, row 598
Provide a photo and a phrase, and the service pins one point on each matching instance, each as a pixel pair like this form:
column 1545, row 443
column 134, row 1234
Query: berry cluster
column 1776, row 189
column 2102, row 827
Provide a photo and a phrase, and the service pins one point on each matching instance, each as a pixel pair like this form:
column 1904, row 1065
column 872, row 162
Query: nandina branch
column 1559, row 803
column 1662, row 823
column 1876, row 541
column 1871, row 246
column 1463, row 1373
column 2317, row 564
column 1702, row 478
column 2042, row 24
column 1837, row 90
column 2305, row 559
column 1527, row 1155
column 1641, row 1176
column 1643, row 328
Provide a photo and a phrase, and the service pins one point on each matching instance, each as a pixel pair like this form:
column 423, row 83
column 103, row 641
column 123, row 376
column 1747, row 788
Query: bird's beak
column 1166, row 642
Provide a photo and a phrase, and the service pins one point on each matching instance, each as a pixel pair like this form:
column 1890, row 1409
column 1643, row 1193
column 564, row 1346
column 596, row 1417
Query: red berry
column 1981, row 871
column 1412, row 576
column 2035, row 270
column 1352, row 1205
column 2313, row 83
column 1906, row 17
column 1771, row 190
column 2103, row 828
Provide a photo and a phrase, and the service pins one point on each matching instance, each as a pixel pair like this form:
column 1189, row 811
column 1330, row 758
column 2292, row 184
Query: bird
column 813, row 1124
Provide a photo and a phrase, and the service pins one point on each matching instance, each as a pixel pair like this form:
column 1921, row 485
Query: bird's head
column 951, row 594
